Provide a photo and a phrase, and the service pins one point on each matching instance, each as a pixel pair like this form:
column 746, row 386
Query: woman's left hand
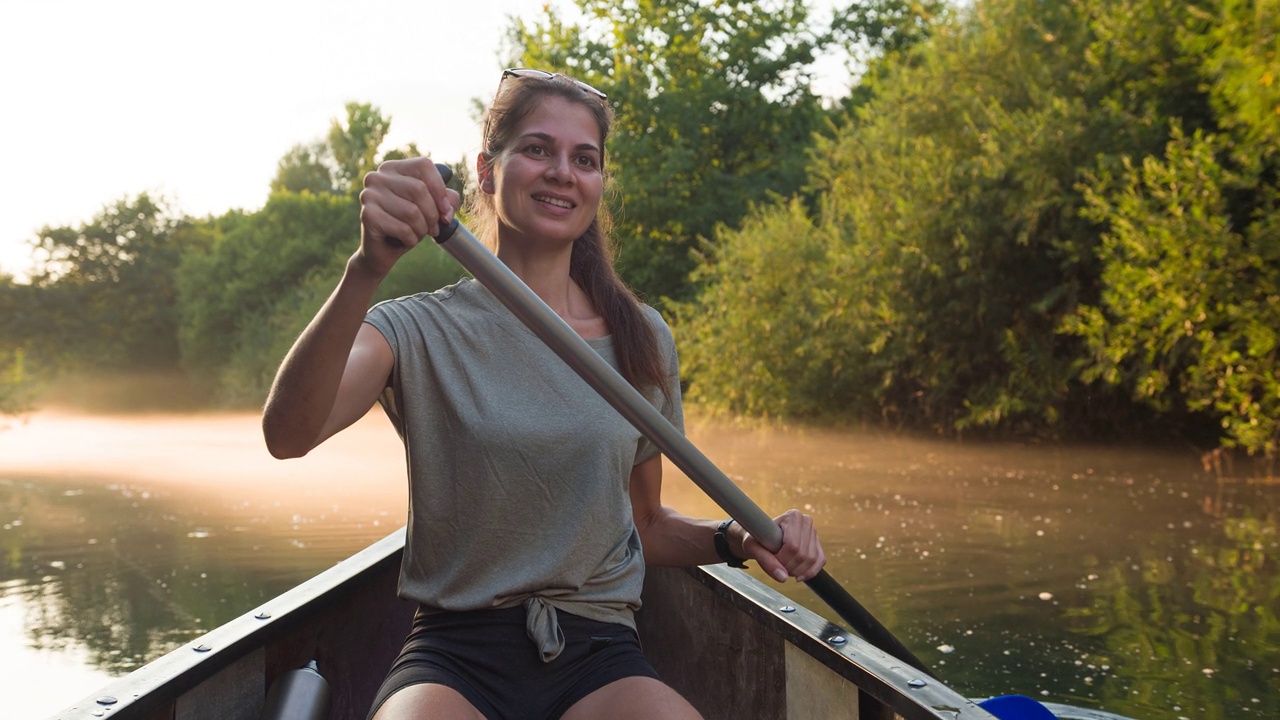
column 800, row 556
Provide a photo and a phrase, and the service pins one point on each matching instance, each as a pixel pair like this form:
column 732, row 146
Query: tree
column 1188, row 315
column 254, row 260
column 874, row 29
column 104, row 291
column 305, row 168
column 950, row 203
column 1191, row 309
column 355, row 145
column 714, row 113
column 338, row 164
column 947, row 203
column 15, row 381
column 263, row 275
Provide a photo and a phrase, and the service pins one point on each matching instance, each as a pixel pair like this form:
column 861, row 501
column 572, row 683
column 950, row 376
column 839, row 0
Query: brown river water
column 1128, row 580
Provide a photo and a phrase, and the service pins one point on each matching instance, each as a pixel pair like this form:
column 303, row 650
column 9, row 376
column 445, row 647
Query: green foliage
column 948, row 202
column 426, row 269
column 1190, row 303
column 714, row 114
column 959, row 227
column 1236, row 42
column 748, row 357
column 1027, row 217
column 338, row 164
column 104, row 291
column 228, row 295
column 1191, row 306
column 15, row 383
column 13, row 378
column 872, row 29
column 264, row 275
column 355, row 145
column 305, row 168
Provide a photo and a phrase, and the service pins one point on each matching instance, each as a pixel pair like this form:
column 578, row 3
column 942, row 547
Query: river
column 1127, row 580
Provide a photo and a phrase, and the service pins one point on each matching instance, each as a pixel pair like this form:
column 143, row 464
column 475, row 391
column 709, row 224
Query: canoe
column 733, row 646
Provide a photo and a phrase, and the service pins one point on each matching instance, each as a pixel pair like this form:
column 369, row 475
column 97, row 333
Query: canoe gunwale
column 334, row 614
column 155, row 684
column 885, row 678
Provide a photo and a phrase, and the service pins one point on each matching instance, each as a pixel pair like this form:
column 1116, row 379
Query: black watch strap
column 722, row 546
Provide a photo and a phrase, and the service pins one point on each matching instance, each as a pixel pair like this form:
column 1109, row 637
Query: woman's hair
column 591, row 260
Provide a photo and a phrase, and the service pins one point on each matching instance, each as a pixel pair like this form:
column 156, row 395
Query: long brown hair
column 591, row 260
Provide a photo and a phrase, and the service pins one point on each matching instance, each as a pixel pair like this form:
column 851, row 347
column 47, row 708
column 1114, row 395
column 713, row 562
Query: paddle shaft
column 565, row 342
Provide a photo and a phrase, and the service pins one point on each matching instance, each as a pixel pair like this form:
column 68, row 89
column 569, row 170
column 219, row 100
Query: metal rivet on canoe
column 202, row 648
column 788, row 608
column 917, row 683
column 107, row 700
column 836, row 640
column 262, row 615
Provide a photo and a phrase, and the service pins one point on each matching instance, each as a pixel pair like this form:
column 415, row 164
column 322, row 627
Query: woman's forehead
column 564, row 122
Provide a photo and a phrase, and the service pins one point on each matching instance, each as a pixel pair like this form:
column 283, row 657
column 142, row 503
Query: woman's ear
column 484, row 173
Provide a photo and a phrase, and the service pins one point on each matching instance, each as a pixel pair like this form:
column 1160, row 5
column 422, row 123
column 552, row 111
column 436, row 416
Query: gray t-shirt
column 518, row 470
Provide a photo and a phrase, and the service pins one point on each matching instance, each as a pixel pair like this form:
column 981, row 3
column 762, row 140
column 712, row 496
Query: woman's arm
column 332, row 375
column 338, row 366
column 670, row 538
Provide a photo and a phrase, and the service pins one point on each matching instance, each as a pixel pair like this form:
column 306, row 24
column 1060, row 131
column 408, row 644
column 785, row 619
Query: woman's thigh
column 427, row 701
column 633, row 698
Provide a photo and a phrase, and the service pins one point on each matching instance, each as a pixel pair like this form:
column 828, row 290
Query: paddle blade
column 1016, row 707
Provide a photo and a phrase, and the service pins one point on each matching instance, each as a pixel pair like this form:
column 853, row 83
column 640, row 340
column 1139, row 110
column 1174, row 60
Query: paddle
column 565, row 342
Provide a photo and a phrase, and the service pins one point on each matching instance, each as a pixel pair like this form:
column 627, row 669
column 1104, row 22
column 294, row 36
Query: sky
column 197, row 102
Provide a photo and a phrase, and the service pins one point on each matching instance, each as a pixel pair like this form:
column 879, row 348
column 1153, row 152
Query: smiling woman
column 546, row 540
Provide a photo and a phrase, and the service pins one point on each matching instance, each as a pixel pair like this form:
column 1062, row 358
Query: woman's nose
column 560, row 168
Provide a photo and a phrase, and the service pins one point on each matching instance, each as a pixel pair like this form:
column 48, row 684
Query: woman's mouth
column 554, row 201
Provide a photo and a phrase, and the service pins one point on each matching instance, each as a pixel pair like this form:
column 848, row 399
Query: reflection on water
column 1130, row 582
column 1119, row 580
column 125, row 537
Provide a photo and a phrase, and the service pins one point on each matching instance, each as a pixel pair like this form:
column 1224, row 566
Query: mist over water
column 1130, row 581
column 127, row 535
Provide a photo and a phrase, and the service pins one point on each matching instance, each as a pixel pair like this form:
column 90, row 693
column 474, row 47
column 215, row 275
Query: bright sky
column 198, row 101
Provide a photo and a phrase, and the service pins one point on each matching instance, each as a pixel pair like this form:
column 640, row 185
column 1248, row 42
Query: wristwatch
column 722, row 546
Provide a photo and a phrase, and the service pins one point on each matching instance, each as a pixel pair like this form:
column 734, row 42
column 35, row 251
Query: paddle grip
column 446, row 231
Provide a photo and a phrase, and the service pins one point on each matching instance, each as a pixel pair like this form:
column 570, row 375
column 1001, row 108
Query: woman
column 533, row 505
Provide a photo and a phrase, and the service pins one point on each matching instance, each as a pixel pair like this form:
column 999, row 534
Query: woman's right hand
column 403, row 201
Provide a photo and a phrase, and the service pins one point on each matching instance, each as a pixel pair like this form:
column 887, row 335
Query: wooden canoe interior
column 734, row 647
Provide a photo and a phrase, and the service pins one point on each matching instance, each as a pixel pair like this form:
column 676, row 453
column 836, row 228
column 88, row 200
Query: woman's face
column 548, row 183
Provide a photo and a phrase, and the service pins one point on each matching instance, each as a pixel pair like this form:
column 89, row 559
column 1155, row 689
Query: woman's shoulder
column 652, row 315
column 659, row 324
column 462, row 291
column 461, row 302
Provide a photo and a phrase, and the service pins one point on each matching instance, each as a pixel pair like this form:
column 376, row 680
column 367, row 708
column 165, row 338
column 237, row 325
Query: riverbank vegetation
column 1049, row 220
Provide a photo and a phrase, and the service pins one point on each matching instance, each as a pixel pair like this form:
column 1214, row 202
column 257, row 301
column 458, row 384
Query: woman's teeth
column 553, row 201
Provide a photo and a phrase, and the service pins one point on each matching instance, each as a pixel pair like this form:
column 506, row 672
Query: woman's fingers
column 801, row 555
column 406, row 200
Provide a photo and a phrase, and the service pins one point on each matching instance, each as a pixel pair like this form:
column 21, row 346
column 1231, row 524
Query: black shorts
column 486, row 656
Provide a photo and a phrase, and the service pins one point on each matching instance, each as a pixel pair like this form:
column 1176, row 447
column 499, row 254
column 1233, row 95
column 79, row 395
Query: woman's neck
column 547, row 275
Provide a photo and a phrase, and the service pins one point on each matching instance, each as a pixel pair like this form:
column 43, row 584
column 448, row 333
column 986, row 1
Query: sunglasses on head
column 543, row 74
